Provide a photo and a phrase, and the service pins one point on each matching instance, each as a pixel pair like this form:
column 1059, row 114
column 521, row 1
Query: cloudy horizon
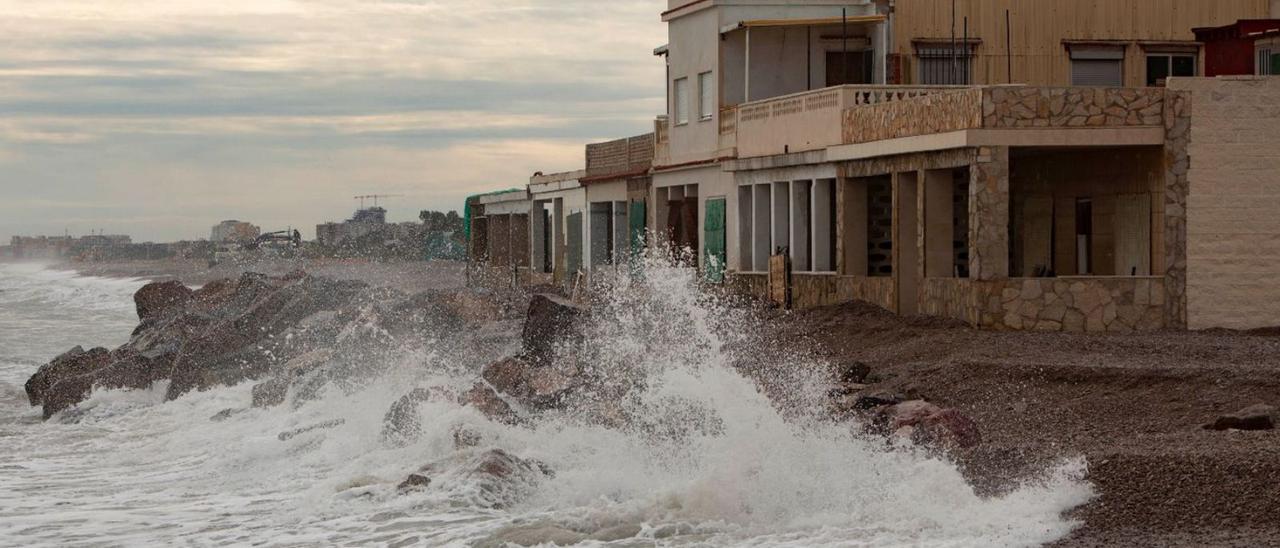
column 160, row 118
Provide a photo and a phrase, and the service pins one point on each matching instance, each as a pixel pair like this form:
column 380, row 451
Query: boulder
column 851, row 373
column 928, row 425
column 401, row 424
column 72, row 363
column 271, row 392
column 551, row 321
column 509, row 376
column 1254, row 417
column 414, row 481
column 504, row 479
column 157, row 298
column 490, row 404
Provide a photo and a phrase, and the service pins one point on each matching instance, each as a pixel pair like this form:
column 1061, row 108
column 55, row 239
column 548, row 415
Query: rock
column 288, row 435
column 464, row 437
column 155, row 299
column 1254, row 417
column 414, row 481
column 503, row 479
column 852, row 373
column 270, row 393
column 72, row 363
column 490, row 404
column 401, row 425
column 225, row 414
column 551, row 321
column 929, row 425
column 879, row 398
column 509, row 376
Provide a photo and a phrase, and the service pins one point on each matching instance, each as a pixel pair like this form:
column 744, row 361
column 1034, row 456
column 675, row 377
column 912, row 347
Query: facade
column 1117, row 43
column 1246, row 47
column 617, row 183
column 233, row 231
column 1066, row 201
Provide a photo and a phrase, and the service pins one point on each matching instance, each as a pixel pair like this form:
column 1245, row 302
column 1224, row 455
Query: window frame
column 1169, row 57
column 679, row 104
column 706, row 97
column 923, row 50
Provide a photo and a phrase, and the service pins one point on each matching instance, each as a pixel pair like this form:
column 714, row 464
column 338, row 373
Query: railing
column 810, row 120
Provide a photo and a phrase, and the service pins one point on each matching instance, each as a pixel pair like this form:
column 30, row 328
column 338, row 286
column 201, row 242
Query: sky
column 159, row 118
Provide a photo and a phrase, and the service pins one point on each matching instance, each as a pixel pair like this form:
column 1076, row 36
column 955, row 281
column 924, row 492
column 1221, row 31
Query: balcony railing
column 810, row 120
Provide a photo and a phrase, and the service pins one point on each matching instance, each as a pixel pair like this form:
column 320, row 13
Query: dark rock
column 551, row 321
column 490, row 404
column 156, row 299
column 72, row 363
column 401, row 423
column 288, row 435
column 509, row 376
column 414, row 481
column 225, row 414
column 1254, row 417
column 880, row 398
column 464, row 437
column 503, row 479
column 271, row 392
column 852, row 373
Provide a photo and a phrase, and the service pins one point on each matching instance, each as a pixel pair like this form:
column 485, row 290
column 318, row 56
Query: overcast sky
column 158, row 118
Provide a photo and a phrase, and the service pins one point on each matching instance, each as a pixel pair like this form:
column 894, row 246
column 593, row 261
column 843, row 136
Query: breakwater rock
column 256, row 327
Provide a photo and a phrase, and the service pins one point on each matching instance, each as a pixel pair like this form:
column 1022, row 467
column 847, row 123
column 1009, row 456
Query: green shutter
column 1275, row 64
column 636, row 222
column 714, row 244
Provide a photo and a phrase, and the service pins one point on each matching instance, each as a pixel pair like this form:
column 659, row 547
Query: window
column 705, row 102
column 850, row 67
column 1268, row 61
column 681, row 106
column 1097, row 66
column 1162, row 66
column 941, row 65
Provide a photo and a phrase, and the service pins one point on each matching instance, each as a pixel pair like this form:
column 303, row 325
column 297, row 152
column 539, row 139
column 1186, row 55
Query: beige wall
column 1233, row 206
column 1040, row 26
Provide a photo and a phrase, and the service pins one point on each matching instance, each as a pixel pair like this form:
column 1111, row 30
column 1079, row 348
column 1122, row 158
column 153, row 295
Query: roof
column 758, row 23
column 1244, row 28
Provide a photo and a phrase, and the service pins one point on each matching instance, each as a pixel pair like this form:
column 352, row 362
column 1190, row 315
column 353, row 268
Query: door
column 714, row 260
column 636, row 223
column 854, row 67
column 573, row 237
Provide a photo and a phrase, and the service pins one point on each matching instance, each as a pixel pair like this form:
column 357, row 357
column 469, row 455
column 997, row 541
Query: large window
column 1268, row 61
column 681, row 106
column 1161, row 66
column 706, row 103
column 941, row 65
column 1097, row 66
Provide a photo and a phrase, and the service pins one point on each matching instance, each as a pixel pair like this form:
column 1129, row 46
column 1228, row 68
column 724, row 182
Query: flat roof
column 757, row 23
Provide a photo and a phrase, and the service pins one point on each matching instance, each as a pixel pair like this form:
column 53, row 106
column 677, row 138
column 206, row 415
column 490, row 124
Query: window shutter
column 1275, row 64
column 1097, row 72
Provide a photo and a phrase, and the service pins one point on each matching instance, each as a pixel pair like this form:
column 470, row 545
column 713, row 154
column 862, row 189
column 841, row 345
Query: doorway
column 906, row 230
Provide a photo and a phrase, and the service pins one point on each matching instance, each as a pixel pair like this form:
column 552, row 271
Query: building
column 1062, row 202
column 363, row 222
column 1117, row 43
column 233, row 231
column 617, row 184
column 1246, row 47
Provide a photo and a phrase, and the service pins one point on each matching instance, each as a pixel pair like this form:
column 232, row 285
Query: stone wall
column 815, row 290
column 1032, row 107
column 989, row 214
column 1050, row 304
column 934, row 113
column 1005, row 107
column 1232, row 223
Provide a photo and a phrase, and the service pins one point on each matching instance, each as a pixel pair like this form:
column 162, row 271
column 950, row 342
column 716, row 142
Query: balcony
column 807, row 121
column 848, row 115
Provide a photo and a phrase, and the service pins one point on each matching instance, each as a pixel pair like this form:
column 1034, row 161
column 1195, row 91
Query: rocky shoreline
column 1177, row 428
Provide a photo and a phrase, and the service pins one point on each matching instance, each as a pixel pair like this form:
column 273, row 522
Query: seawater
column 725, row 467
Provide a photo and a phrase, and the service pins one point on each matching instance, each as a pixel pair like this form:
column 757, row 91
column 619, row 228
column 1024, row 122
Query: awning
column 757, row 23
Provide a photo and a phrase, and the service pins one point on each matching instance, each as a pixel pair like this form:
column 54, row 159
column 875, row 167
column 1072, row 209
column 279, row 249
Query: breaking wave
column 710, row 460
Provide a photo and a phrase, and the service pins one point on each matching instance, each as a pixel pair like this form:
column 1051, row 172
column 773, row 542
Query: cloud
column 173, row 114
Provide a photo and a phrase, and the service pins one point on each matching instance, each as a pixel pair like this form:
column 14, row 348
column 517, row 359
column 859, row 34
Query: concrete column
column 1177, row 164
column 762, row 212
column 938, row 227
column 989, row 214
column 906, row 241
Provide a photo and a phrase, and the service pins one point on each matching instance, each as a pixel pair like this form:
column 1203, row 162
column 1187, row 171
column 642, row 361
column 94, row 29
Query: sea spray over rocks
column 659, row 436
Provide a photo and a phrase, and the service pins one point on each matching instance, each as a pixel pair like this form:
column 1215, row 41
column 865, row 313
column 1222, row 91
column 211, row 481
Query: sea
column 126, row 468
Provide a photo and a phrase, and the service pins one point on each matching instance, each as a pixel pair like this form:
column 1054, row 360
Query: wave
column 711, row 462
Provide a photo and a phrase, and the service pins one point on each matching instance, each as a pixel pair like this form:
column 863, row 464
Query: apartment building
column 1059, row 202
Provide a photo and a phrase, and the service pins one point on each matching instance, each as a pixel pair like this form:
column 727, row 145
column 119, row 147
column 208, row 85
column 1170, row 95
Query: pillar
column 989, row 214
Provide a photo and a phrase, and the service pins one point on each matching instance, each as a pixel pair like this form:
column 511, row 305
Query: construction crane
column 375, row 197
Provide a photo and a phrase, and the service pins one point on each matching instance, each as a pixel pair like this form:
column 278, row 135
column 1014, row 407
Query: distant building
column 234, row 231
column 1244, row 48
column 363, row 222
